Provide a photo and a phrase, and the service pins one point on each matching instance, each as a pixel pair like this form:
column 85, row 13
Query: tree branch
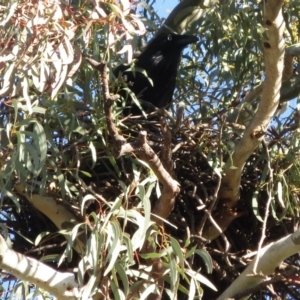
column 118, row 140
column 57, row 213
column 165, row 204
column 270, row 257
column 288, row 91
column 184, row 15
column 61, row 285
column 254, row 133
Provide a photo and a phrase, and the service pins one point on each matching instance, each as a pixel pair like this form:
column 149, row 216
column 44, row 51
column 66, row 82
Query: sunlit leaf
column 197, row 276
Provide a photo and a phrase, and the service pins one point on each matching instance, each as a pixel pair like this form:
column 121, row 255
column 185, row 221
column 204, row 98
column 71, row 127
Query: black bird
column 160, row 60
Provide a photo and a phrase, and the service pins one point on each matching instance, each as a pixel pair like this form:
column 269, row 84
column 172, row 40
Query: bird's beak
column 186, row 39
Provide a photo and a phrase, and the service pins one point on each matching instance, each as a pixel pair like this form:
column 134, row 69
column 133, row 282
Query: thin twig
column 118, row 140
column 216, row 192
column 269, row 191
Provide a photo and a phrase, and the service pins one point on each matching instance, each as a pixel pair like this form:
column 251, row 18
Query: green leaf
column 129, row 253
column 255, row 205
column 151, row 255
column 190, row 252
column 13, row 198
column 114, row 249
column 192, row 290
column 41, row 142
column 177, row 250
column 116, row 205
column 280, row 194
column 150, row 289
column 71, row 240
column 89, row 287
column 40, row 237
column 200, row 278
column 118, row 293
column 172, row 265
column 121, row 272
column 207, row 259
column 50, row 258
column 94, row 153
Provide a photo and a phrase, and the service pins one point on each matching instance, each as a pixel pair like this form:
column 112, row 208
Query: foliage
column 55, row 142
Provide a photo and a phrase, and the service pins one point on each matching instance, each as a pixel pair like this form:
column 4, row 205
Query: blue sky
column 163, row 8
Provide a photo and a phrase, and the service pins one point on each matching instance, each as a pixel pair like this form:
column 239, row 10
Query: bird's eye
column 169, row 38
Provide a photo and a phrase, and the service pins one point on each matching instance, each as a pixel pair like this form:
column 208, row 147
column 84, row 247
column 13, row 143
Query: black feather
column 160, row 60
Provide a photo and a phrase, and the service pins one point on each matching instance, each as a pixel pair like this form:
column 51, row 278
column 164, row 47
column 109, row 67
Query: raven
column 160, row 60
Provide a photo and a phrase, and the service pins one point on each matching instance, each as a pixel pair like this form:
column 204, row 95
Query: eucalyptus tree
column 198, row 200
